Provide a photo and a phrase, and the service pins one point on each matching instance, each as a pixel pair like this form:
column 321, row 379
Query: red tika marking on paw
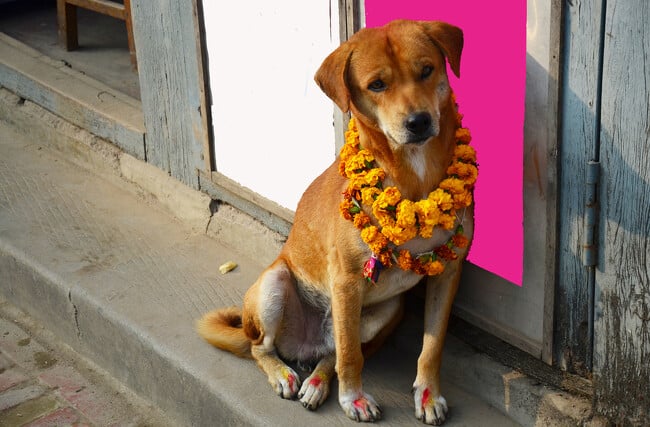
column 315, row 382
column 361, row 405
column 426, row 397
column 292, row 380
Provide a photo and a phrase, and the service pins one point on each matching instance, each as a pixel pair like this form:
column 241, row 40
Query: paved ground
column 44, row 383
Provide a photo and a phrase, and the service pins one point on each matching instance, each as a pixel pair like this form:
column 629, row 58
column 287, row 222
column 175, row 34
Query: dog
column 313, row 305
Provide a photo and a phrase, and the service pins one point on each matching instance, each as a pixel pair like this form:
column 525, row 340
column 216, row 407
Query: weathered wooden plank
column 78, row 99
column 110, row 8
column 622, row 326
column 269, row 213
column 168, row 65
column 572, row 341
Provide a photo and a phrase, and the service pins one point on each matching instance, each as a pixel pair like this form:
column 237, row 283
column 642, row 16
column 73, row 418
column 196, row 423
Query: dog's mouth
column 409, row 138
column 421, row 139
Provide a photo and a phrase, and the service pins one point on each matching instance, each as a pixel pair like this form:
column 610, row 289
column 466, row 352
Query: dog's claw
column 286, row 383
column 428, row 408
column 314, row 391
column 361, row 407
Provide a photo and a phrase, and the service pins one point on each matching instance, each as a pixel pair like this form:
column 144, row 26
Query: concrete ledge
column 71, row 95
column 121, row 280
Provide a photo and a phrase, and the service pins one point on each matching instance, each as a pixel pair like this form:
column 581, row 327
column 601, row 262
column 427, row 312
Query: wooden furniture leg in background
column 67, row 19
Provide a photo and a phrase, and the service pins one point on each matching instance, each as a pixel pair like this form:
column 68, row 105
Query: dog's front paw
column 285, row 382
column 314, row 391
column 429, row 408
column 360, row 406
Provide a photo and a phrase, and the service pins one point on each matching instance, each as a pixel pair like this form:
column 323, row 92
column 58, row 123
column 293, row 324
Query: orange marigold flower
column 445, row 253
column 462, row 200
column 466, row 171
column 385, row 257
column 460, row 241
column 404, row 260
column 344, row 207
column 361, row 220
column 465, row 153
column 447, row 221
column 434, row 268
column 463, row 135
column 459, row 119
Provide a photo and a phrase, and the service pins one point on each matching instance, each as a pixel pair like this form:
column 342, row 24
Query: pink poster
column 490, row 95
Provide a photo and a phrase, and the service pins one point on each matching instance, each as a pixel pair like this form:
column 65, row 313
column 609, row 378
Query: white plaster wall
column 273, row 130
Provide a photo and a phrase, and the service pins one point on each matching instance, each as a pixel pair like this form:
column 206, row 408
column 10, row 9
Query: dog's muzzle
column 420, row 127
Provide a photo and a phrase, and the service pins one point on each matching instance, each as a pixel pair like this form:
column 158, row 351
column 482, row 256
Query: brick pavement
column 44, row 383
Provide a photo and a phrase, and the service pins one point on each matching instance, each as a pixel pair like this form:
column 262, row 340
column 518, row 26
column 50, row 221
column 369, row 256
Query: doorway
column 103, row 52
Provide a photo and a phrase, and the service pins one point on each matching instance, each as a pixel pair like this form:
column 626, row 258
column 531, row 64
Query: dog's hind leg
column 272, row 292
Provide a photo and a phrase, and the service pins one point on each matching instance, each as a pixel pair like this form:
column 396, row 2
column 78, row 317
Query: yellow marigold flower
column 380, row 207
column 357, row 180
column 358, row 162
column 405, row 214
column 347, row 151
column 374, row 176
column 442, row 199
column 398, row 235
column 374, row 239
column 453, row 185
column 463, row 135
column 352, row 124
column 368, row 195
column 389, row 197
column 428, row 215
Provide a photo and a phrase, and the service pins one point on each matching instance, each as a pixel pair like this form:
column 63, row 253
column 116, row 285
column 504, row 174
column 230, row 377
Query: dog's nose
column 418, row 123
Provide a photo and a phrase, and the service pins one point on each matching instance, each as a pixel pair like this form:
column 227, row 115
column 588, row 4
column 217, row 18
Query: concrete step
column 122, row 281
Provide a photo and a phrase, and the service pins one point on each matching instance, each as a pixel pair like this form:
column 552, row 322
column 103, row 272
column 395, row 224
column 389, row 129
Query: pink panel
column 490, row 94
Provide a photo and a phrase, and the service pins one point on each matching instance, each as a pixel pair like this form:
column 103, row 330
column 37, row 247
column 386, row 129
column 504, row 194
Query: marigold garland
column 399, row 220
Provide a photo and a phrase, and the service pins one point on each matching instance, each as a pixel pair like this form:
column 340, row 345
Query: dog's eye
column 377, row 86
column 426, row 71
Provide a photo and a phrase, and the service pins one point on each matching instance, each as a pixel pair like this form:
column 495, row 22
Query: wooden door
column 622, row 280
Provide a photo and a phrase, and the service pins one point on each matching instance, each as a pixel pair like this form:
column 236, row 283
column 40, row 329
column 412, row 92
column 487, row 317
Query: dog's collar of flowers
column 398, row 220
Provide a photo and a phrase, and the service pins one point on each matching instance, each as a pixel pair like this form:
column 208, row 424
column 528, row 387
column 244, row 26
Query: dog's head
column 394, row 78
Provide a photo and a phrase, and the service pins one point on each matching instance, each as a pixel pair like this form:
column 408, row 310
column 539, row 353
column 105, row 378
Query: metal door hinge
column 590, row 248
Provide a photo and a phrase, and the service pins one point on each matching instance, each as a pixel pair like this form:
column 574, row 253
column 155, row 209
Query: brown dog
column 313, row 303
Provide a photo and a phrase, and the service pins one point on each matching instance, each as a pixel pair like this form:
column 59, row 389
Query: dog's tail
column 223, row 329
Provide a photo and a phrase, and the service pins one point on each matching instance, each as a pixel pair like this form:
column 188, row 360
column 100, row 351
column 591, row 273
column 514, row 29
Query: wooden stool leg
column 129, row 32
column 67, row 17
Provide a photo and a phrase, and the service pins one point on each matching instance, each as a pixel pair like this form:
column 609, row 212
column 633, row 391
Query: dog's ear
column 449, row 39
column 331, row 76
